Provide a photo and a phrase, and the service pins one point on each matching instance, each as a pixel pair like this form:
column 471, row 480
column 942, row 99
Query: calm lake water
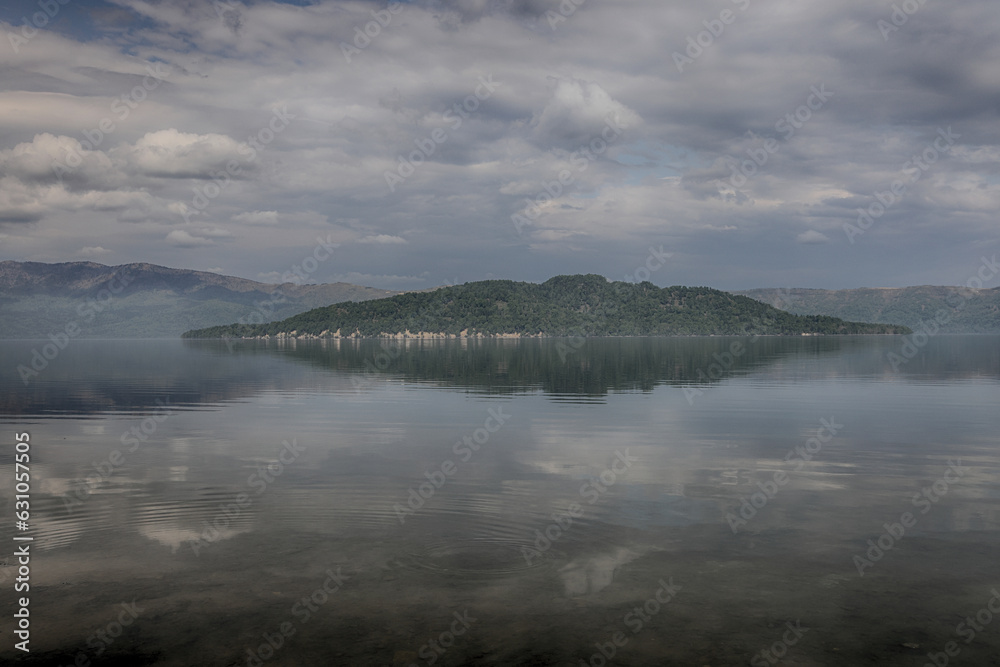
column 701, row 501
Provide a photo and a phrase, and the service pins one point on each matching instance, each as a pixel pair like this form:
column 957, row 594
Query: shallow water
column 508, row 502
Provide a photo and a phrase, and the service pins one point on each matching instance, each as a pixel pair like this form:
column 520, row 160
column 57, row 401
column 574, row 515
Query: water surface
column 698, row 500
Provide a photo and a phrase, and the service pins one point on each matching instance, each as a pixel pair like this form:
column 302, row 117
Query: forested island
column 578, row 305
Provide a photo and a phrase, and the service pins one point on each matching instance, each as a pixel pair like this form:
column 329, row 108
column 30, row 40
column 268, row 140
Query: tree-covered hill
column 585, row 305
column 955, row 309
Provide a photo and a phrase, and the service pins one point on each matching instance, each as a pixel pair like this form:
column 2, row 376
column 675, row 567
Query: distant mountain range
column 142, row 300
column 967, row 310
column 580, row 305
column 147, row 301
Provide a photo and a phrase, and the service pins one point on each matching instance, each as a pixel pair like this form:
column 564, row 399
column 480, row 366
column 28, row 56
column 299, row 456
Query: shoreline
column 516, row 336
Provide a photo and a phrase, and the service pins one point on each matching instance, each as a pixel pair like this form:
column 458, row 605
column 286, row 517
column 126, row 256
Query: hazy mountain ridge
column 37, row 299
column 968, row 310
column 28, row 277
column 584, row 305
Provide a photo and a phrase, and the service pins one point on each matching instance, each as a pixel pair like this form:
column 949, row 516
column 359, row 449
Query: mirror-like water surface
column 705, row 501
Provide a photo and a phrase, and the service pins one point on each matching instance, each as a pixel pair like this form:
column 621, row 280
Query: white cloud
column 384, row 239
column 978, row 154
column 173, row 154
column 812, row 237
column 48, row 159
column 214, row 232
column 256, row 217
column 55, row 173
column 18, row 202
column 577, row 113
column 181, row 238
column 92, row 252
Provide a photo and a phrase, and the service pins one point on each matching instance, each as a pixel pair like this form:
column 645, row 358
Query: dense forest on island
column 577, row 305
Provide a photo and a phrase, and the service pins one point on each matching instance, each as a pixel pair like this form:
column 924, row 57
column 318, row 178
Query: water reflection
column 84, row 380
column 205, row 517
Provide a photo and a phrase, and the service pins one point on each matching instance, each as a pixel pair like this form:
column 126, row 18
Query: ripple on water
column 125, row 510
column 477, row 558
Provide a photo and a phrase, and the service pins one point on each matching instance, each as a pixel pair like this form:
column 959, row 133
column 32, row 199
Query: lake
column 682, row 501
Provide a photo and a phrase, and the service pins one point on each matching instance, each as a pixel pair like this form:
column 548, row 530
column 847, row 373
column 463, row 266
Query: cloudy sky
column 759, row 143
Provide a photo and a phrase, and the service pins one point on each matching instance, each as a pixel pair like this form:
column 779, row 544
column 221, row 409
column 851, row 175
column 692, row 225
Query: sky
column 733, row 144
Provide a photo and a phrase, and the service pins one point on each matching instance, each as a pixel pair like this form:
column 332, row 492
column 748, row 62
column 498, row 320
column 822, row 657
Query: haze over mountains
column 147, row 301
column 955, row 309
column 150, row 301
